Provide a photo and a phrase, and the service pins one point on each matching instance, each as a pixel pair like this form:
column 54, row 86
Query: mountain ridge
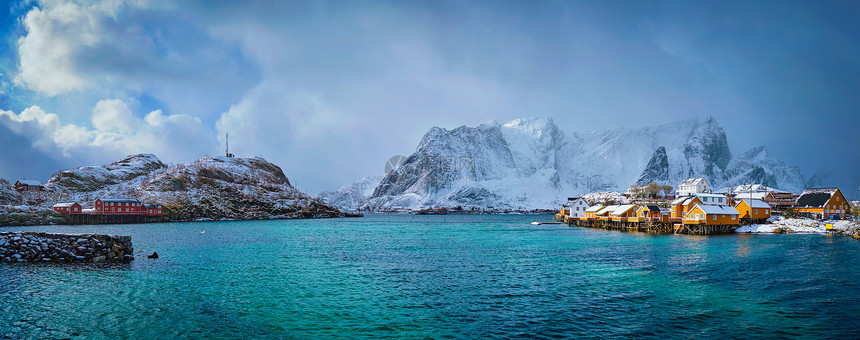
column 531, row 163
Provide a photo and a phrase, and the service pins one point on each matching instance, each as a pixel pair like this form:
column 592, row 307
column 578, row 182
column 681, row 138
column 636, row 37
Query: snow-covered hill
column 209, row 188
column 530, row 163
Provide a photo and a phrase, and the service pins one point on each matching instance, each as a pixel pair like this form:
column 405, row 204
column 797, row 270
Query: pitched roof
column 64, row 204
column 31, row 182
column 621, row 209
column 653, row 208
column 120, row 200
column 709, row 195
column 572, row 200
column 679, row 200
column 756, row 204
column 815, row 197
column 753, row 195
column 717, row 209
column 694, row 181
column 594, row 208
column 607, row 209
column 688, row 201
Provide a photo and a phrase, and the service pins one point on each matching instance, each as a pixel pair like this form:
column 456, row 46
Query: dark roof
column 120, row 200
column 653, row 208
column 815, row 198
column 152, row 206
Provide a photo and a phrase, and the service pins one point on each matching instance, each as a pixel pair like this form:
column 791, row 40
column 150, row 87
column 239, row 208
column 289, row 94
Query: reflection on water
column 431, row 276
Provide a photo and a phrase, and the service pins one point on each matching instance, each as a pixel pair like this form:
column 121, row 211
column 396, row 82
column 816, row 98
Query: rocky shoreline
column 64, row 248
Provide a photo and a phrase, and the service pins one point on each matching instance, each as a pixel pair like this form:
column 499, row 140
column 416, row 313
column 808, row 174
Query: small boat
column 537, row 223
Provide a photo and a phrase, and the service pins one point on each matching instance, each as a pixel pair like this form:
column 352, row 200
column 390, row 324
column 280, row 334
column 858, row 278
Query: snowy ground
column 796, row 225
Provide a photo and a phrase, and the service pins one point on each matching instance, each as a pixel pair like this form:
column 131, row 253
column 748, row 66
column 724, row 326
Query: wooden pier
column 113, row 219
column 655, row 225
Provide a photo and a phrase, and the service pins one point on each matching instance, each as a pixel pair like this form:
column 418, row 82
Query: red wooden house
column 29, row 185
column 68, row 208
column 119, row 206
column 154, row 209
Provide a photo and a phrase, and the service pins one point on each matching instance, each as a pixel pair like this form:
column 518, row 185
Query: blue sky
column 330, row 90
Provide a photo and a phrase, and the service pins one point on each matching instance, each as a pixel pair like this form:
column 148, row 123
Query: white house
column 694, row 186
column 576, row 206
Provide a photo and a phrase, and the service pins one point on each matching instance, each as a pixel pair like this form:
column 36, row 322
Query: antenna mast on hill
column 227, row 151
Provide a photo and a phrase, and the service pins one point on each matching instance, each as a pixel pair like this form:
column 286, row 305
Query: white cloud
column 116, row 132
column 54, row 35
column 113, row 115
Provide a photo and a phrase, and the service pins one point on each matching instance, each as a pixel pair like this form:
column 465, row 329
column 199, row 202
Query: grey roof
column 31, row 182
column 756, row 204
column 718, row 209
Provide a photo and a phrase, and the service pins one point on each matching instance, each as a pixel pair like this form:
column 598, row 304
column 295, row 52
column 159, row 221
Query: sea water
column 451, row 276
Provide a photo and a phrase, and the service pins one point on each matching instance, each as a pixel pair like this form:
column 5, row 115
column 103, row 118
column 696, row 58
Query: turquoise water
column 439, row 277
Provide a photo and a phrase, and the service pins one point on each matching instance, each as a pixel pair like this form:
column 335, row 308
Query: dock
column 651, row 225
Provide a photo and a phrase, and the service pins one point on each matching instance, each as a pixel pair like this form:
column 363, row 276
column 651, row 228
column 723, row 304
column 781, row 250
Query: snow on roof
column 717, row 209
column 689, row 201
column 679, row 200
column 752, row 195
column 64, row 204
column 120, row 200
column 30, row 182
column 608, row 209
column 594, row 208
column 815, row 197
column 622, row 209
column 710, row 195
column 756, row 204
column 694, row 181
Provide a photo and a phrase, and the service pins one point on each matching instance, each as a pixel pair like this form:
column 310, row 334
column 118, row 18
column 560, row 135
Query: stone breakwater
column 64, row 248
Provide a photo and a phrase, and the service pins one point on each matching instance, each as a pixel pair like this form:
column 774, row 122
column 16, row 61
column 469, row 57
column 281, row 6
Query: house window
column 766, row 212
column 733, row 217
column 715, row 217
column 755, row 211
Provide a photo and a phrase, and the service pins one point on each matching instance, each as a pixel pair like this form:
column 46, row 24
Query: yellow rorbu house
column 623, row 212
column 826, row 203
column 682, row 205
column 707, row 214
column 754, row 210
column 592, row 211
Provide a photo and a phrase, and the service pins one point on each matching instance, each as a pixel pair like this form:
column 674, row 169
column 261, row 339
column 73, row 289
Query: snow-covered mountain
column 352, row 196
column 531, row 163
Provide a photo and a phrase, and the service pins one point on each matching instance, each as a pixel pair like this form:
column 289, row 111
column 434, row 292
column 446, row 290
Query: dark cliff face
column 657, row 169
column 443, row 157
column 708, row 151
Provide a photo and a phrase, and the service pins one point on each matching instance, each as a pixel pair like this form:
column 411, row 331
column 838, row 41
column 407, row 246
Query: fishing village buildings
column 111, row 210
column 698, row 211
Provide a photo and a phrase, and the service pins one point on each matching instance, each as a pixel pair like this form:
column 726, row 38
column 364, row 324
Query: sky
column 329, row 90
